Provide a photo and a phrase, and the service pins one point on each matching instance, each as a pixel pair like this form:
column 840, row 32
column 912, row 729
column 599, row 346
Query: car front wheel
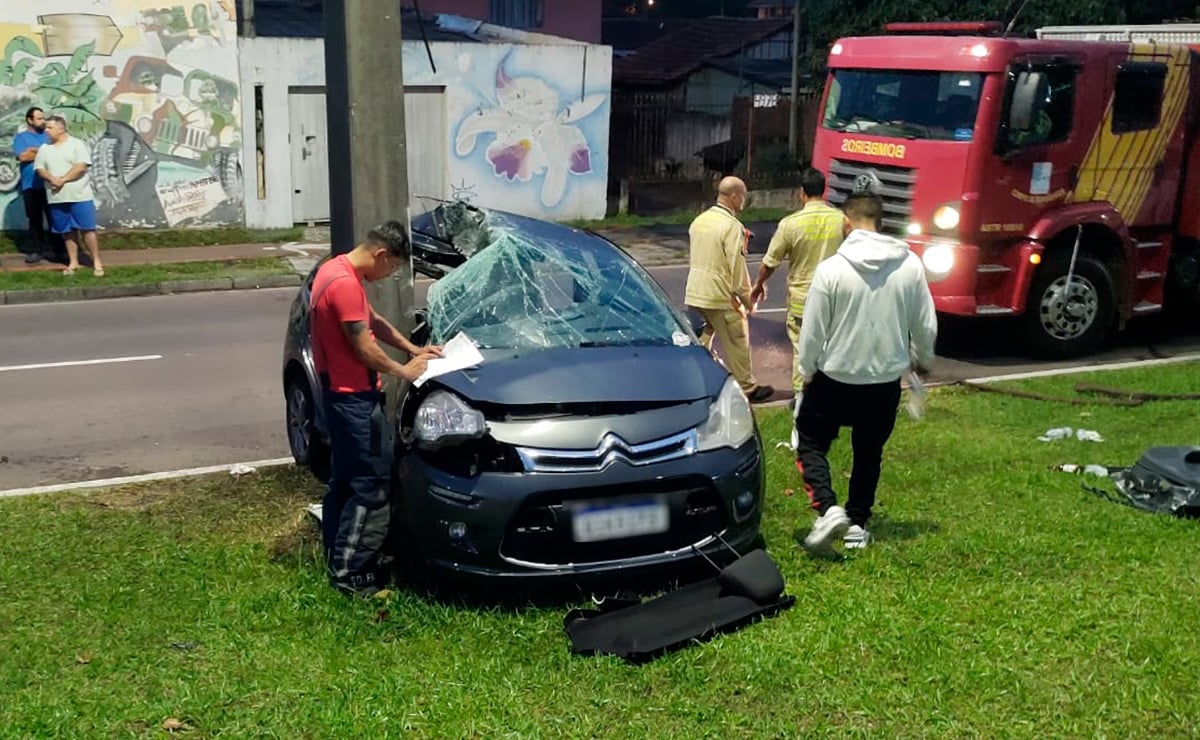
column 308, row 449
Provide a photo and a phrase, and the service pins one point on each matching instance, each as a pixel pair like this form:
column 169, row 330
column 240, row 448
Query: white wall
column 529, row 124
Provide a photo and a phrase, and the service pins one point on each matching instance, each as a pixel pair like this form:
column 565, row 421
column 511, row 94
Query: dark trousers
column 870, row 412
column 37, row 210
column 357, row 506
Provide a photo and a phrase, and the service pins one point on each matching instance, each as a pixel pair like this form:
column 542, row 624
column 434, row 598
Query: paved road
column 213, row 396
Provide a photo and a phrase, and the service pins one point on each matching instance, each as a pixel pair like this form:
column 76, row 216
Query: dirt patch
column 127, row 498
column 299, row 539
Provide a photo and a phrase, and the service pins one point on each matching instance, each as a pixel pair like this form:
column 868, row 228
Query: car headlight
column 444, row 416
column 946, row 218
column 730, row 421
column 938, row 259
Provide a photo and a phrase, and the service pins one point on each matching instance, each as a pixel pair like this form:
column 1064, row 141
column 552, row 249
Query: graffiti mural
column 528, row 123
column 151, row 86
column 532, row 135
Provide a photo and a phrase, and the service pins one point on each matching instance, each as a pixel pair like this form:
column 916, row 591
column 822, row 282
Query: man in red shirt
column 348, row 359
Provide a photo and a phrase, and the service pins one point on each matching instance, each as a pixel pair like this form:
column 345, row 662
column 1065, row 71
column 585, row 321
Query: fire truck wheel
column 1061, row 323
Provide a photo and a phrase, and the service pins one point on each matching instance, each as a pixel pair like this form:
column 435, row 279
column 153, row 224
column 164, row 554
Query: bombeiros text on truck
column 1055, row 179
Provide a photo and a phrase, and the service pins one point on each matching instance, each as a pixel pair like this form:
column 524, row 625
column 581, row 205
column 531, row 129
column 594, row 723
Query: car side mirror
column 421, row 330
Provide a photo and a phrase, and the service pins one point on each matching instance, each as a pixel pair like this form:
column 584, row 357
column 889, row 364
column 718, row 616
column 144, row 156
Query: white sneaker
column 856, row 538
column 827, row 530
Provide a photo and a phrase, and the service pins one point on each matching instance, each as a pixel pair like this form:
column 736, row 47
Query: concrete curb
column 195, row 286
column 170, row 287
column 266, row 281
column 43, row 295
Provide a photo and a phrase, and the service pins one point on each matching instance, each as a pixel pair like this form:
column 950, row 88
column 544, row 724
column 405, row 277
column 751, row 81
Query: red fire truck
column 1055, row 179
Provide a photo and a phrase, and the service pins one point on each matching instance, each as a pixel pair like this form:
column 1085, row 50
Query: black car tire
column 1057, row 329
column 301, row 420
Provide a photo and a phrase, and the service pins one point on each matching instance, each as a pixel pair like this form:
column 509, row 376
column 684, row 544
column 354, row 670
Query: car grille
column 540, row 532
column 893, row 184
column 610, row 449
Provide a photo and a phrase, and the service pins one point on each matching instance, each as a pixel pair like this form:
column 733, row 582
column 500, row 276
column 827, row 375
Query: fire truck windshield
column 904, row 104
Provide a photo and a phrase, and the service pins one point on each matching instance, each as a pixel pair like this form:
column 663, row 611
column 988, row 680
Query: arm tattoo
column 355, row 328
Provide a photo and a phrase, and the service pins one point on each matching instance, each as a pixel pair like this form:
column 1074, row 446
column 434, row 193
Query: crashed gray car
column 596, row 437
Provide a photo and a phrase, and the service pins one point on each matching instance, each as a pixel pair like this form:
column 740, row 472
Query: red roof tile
column 681, row 52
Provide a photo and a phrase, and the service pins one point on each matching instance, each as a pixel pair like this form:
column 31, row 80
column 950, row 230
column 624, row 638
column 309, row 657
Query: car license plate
column 595, row 521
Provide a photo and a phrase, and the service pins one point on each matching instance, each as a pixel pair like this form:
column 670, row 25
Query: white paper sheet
column 459, row 353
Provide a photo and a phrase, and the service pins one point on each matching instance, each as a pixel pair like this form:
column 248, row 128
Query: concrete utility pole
column 247, row 18
column 368, row 159
column 794, row 116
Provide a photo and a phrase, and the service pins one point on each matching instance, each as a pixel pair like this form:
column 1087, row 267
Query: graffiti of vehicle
column 10, row 167
column 188, row 118
column 596, row 437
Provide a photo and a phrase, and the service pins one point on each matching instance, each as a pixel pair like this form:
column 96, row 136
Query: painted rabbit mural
column 533, row 136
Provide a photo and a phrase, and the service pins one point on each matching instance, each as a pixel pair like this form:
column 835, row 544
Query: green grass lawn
column 999, row 600
column 164, row 238
column 144, row 274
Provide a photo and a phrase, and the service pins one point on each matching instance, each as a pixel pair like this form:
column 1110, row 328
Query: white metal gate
column 310, row 156
column 427, row 138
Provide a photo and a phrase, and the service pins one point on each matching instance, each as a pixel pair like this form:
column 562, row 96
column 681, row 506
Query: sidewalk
column 651, row 246
column 667, row 244
column 112, row 287
column 170, row 256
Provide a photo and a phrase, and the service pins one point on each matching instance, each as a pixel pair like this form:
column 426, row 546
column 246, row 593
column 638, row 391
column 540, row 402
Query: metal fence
column 655, row 136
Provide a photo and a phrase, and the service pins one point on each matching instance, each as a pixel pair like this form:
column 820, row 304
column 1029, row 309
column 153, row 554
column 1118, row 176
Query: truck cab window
column 909, row 104
column 1137, row 99
column 1054, row 113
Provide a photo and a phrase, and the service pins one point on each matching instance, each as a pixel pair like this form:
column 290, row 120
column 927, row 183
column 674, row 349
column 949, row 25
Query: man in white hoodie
column 869, row 307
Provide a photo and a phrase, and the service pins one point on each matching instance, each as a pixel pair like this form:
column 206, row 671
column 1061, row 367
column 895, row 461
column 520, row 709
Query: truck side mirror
column 1030, row 89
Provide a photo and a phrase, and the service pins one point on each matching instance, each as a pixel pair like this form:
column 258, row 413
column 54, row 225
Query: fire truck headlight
column 946, row 218
column 938, row 259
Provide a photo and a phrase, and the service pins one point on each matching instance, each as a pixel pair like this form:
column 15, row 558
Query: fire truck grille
column 893, row 184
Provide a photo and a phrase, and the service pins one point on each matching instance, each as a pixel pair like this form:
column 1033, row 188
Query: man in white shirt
column 869, row 311
column 63, row 164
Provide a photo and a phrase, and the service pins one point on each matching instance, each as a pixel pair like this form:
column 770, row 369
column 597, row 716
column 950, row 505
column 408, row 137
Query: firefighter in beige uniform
column 804, row 238
column 718, row 284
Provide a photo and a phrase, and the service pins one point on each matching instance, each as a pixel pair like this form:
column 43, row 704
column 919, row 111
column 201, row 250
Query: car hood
column 590, row 375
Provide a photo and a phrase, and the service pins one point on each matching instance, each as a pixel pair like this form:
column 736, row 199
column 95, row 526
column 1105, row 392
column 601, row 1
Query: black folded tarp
column 1164, row 480
column 749, row 589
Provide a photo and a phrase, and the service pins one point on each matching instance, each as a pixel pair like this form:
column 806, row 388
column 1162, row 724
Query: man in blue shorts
column 63, row 165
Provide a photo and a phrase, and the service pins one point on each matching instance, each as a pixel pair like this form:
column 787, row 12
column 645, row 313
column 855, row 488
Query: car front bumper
column 519, row 525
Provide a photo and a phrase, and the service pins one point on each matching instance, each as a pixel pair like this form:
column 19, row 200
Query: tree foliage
column 829, row 20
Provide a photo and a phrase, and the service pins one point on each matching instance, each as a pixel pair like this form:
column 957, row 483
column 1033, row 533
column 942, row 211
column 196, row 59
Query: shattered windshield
column 527, row 292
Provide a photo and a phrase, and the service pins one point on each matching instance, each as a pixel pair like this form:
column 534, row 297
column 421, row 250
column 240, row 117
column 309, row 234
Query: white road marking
column 300, row 248
column 769, row 310
column 1077, row 369
column 80, row 363
column 147, row 478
